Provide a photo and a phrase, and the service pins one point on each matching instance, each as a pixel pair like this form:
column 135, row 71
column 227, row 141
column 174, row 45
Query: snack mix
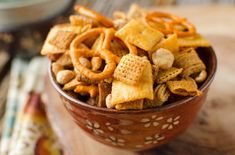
column 136, row 60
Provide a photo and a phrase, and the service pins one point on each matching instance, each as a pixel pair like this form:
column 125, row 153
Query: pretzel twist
column 95, row 15
column 169, row 21
column 109, row 57
column 191, row 30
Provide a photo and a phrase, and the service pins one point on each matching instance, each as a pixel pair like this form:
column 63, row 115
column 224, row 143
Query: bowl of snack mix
column 135, row 81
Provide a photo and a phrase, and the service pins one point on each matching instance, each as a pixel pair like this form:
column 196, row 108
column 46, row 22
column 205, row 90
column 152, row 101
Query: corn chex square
column 140, row 35
column 130, row 69
column 62, row 39
column 122, row 92
column 51, row 49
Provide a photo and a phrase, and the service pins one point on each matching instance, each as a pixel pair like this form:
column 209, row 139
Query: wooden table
column 213, row 130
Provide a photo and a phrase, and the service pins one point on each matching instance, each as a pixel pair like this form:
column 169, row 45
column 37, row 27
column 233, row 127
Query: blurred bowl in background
column 17, row 13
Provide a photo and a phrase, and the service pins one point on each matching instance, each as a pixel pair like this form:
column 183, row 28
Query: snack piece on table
column 55, row 36
column 132, row 105
column 170, row 43
column 193, row 41
column 130, row 69
column 122, row 92
column 104, row 91
column 168, row 74
column 163, row 58
column 189, row 60
column 161, row 95
column 184, row 87
column 138, row 34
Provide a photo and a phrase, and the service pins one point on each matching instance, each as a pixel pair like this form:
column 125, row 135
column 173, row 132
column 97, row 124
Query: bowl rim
column 204, row 86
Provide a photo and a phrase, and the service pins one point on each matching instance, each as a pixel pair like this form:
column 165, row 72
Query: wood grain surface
column 213, row 130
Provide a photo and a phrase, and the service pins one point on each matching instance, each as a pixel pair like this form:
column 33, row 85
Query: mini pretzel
column 105, row 54
column 91, row 90
column 191, row 30
column 159, row 18
column 92, row 14
column 109, row 33
column 169, row 25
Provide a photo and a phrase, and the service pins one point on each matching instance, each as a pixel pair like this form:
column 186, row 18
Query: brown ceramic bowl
column 139, row 129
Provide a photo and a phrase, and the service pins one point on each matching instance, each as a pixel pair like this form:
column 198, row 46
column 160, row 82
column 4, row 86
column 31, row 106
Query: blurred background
column 25, row 23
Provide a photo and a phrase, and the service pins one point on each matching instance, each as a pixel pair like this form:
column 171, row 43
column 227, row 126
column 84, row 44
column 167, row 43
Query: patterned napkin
column 26, row 130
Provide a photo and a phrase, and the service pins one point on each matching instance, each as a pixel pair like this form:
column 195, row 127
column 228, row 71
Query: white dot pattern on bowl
column 153, row 121
column 171, row 123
